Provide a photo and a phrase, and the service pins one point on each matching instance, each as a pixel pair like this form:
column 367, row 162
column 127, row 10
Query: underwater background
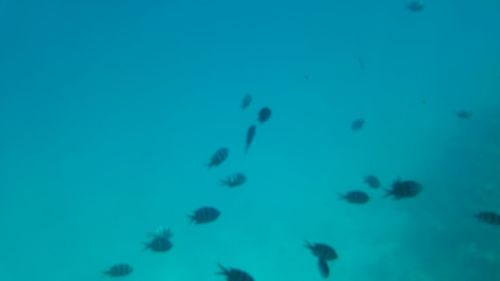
column 110, row 111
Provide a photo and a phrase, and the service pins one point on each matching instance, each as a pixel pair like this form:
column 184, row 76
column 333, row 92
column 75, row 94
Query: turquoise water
column 109, row 111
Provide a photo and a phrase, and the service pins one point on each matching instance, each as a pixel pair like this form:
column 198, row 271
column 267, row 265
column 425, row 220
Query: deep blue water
column 109, row 111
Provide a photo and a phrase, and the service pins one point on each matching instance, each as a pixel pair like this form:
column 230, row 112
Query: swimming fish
column 404, row 189
column 205, row 215
column 324, row 270
column 488, row 217
column 355, row 197
column 264, row 114
column 372, row 181
column 234, row 180
column 234, row 274
column 247, row 100
column 322, row 251
column 119, row 270
column 219, row 157
column 464, row 114
column 160, row 241
column 415, row 6
column 250, row 136
column 357, row 124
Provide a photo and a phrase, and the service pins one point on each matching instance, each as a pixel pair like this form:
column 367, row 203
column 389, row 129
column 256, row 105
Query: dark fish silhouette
column 247, row 100
column 324, row 270
column 464, row 114
column 205, row 215
column 233, row 274
column 219, row 157
column 250, row 136
column 372, row 181
column 119, row 270
column 234, row 180
column 404, row 189
column 322, row 251
column 357, row 124
column 355, row 197
column 160, row 241
column 415, row 6
column 264, row 114
column 488, row 217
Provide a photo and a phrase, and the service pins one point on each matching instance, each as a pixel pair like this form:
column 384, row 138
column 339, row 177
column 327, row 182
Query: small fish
column 357, row 124
column 322, row 251
column 234, row 180
column 402, row 189
column 205, row 215
column 264, row 114
column 250, row 136
column 372, row 181
column 488, row 217
column 355, row 197
column 464, row 114
column 234, row 274
column 119, row 270
column 323, row 268
column 415, row 6
column 247, row 100
column 160, row 241
column 219, row 157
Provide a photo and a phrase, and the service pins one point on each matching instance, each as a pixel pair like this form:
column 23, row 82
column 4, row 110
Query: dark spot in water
column 234, row 180
column 264, row 114
column 205, row 215
column 404, row 189
column 355, row 197
column 357, row 124
column 234, row 274
column 119, row 270
column 219, row 157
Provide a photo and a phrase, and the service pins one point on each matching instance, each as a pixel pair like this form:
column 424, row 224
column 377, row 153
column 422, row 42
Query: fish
column 250, row 136
column 372, row 181
column 264, row 115
column 355, row 197
column 357, row 124
column 415, row 6
column 463, row 114
column 160, row 241
column 234, row 274
column 218, row 157
column 402, row 189
column 324, row 270
column 488, row 217
column 246, row 101
column 205, row 215
column 119, row 270
column 234, row 180
column 322, row 251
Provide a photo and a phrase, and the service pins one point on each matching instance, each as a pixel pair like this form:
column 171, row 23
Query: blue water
column 109, row 111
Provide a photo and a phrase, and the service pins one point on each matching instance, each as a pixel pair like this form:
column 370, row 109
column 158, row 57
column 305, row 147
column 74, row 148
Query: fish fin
column 223, row 270
column 308, row 244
